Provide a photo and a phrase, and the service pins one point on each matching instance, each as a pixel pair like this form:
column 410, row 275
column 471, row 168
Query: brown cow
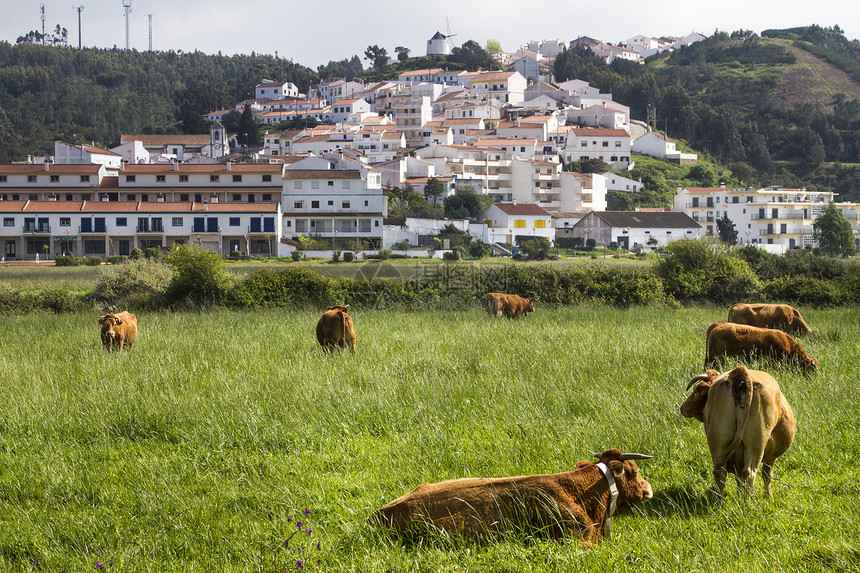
column 780, row 316
column 335, row 329
column 739, row 340
column 579, row 503
column 118, row 330
column 748, row 424
column 511, row 305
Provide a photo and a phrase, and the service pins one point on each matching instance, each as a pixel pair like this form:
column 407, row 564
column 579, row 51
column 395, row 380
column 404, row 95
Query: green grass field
column 200, row 448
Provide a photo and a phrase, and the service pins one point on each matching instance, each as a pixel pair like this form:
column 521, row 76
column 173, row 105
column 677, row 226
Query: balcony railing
column 37, row 228
column 791, row 231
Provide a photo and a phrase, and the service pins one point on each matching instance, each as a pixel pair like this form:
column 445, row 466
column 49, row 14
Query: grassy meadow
column 200, row 448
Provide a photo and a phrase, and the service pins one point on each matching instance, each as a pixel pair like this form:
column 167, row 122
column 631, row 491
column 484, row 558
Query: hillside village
column 509, row 135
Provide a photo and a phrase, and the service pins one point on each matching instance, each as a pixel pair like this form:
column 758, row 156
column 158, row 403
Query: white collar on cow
column 613, row 490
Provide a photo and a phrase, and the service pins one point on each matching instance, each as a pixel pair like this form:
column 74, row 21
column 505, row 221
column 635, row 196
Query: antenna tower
column 149, row 16
column 126, row 4
column 42, row 18
column 79, row 8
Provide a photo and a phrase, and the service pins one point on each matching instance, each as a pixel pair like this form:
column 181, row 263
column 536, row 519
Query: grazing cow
column 511, row 305
column 748, row 423
column 780, row 316
column 335, row 329
column 579, row 503
column 739, row 340
column 118, row 330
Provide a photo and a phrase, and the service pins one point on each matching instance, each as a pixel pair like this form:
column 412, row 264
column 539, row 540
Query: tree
column 833, row 233
column 466, row 204
column 726, row 229
column 493, row 46
column 537, row 248
column 402, row 245
column 472, row 57
column 248, row 132
column 402, row 53
column 434, row 189
column 199, row 276
column 587, row 165
column 378, row 56
column 478, row 248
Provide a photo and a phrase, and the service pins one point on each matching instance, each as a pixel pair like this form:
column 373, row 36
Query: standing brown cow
column 780, row 316
column 118, row 330
column 335, row 329
column 579, row 503
column 739, row 340
column 511, row 305
column 748, row 424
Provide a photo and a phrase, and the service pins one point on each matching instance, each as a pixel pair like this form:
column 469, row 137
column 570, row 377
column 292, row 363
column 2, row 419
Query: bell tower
column 218, row 145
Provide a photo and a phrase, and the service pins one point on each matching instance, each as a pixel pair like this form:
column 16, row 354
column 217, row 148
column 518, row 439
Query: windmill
column 126, row 4
column 449, row 35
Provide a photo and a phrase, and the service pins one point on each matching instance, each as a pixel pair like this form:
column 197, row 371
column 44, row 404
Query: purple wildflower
column 299, row 524
column 319, row 561
column 308, row 531
column 318, row 544
column 307, row 511
column 286, row 543
column 298, row 563
column 289, row 518
column 99, row 564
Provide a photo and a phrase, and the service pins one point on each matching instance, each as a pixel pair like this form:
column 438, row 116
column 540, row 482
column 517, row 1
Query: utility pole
column 80, row 9
column 42, row 18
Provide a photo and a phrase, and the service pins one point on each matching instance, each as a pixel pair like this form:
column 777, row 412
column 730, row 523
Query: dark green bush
column 93, row 261
column 199, row 277
column 66, row 261
column 292, row 287
column 297, row 255
column 804, row 291
column 348, row 256
column 153, row 253
column 137, row 284
column 384, row 254
column 136, row 253
column 118, row 259
column 335, row 256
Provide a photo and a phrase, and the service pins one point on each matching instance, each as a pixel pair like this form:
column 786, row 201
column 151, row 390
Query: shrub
column 235, row 255
column 152, row 253
column 478, row 248
column 537, row 248
column 297, row 255
column 705, row 270
column 295, row 287
column 136, row 253
column 613, row 245
column 138, row 283
column 93, row 261
column 117, row 259
column 803, row 290
column 452, row 255
column 348, row 256
column 384, row 254
column 199, row 276
column 66, row 261
column 335, row 256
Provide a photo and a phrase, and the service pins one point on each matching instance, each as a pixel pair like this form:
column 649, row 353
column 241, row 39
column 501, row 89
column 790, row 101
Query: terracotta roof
column 492, row 76
column 162, row 140
column 322, row 174
column 522, row 209
column 637, row 219
column 185, row 168
column 12, row 206
column 597, row 132
column 514, row 142
column 53, row 168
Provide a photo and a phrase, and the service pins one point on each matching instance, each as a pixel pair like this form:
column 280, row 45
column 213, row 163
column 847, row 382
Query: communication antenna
column 79, row 8
column 42, row 18
column 126, row 4
column 150, row 30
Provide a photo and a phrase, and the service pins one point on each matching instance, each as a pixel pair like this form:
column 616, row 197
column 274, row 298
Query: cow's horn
column 634, row 457
column 697, row 379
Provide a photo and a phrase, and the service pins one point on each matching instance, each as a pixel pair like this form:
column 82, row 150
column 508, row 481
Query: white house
column 269, row 89
column 634, row 229
column 615, row 182
column 658, row 145
column 504, row 87
column 82, row 154
column 510, row 223
column 612, row 146
column 342, row 109
column 345, row 207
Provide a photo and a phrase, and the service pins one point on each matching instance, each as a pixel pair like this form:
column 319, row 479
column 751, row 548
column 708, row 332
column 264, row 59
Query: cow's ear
column 617, row 468
column 102, row 319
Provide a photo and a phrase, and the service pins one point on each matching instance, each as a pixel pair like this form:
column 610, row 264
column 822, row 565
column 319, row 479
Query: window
column 267, row 178
column 213, row 178
column 315, row 184
column 31, row 178
column 160, row 178
column 144, row 197
column 345, row 205
column 315, row 204
column 344, row 184
column 183, row 196
column 519, row 223
column 234, row 221
column 366, row 203
column 605, row 144
column 237, row 178
column 237, row 197
column 65, row 221
column 121, row 222
column 617, row 144
column 130, row 197
column 297, row 184
column 183, row 178
column 176, row 221
column 8, row 221
column 331, row 203
column 3, row 179
column 267, row 196
column 540, row 224
column 55, row 178
column 583, row 144
column 129, row 178
column 68, row 196
column 299, row 205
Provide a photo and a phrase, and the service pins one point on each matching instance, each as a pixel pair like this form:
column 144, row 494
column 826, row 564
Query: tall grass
column 189, row 452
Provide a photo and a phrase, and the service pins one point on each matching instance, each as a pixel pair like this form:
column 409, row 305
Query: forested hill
column 49, row 93
column 778, row 109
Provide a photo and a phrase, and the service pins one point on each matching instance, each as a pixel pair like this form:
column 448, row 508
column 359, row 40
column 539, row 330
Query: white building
column 779, row 219
column 345, row 207
column 504, row 87
column 634, row 229
column 510, row 223
column 269, row 89
column 612, row 146
column 658, row 145
column 83, row 154
column 439, row 45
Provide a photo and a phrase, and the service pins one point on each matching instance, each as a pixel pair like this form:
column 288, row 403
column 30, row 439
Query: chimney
column 229, row 166
column 213, row 198
column 175, row 164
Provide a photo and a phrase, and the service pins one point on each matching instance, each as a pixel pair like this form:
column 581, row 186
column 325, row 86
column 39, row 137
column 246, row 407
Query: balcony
column 37, row 228
column 783, row 215
column 154, row 229
column 792, row 231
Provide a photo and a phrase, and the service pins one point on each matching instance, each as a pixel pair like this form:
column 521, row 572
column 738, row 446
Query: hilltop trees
column 833, row 232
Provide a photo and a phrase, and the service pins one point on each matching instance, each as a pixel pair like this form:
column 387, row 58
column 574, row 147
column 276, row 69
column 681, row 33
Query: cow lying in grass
column 578, row 503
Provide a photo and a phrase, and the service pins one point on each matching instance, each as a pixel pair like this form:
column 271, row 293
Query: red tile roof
column 522, row 209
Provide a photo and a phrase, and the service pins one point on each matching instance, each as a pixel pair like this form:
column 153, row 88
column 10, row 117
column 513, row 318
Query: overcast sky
column 312, row 33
